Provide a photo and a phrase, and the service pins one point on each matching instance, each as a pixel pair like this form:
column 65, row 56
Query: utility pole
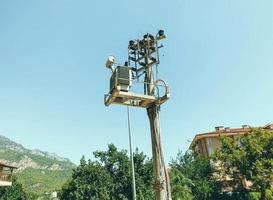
column 161, row 185
column 142, row 57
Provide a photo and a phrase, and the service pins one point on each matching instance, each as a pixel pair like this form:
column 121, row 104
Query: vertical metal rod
column 131, row 155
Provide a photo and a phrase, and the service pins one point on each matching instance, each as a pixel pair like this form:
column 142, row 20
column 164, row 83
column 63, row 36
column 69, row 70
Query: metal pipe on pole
column 131, row 155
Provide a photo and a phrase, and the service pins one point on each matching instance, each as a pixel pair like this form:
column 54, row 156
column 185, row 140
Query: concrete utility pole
column 142, row 56
column 162, row 185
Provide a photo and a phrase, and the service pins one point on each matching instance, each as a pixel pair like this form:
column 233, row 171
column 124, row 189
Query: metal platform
column 132, row 99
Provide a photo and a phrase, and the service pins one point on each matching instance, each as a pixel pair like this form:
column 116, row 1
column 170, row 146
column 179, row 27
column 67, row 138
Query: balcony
column 6, row 174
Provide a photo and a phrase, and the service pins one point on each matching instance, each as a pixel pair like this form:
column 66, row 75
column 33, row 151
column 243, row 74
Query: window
column 209, row 143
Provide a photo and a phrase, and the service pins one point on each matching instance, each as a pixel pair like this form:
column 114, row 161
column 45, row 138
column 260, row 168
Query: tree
column 89, row 181
column 195, row 173
column 109, row 177
column 14, row 192
column 248, row 157
column 181, row 186
column 117, row 164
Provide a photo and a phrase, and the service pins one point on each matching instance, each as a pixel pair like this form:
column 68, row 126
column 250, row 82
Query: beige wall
column 206, row 146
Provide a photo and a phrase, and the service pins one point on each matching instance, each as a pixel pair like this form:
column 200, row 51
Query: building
column 207, row 143
column 6, row 174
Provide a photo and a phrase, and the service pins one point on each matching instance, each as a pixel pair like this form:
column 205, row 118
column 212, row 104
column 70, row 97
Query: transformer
column 121, row 79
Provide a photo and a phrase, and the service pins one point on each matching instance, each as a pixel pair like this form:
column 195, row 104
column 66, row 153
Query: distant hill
column 40, row 172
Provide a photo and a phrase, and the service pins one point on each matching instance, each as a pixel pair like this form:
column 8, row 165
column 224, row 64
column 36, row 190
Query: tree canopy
column 249, row 157
column 109, row 177
column 14, row 192
column 193, row 176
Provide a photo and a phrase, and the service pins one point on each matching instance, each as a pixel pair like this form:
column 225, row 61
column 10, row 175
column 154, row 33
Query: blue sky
column 217, row 60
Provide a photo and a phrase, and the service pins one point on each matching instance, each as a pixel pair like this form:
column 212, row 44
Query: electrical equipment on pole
column 143, row 57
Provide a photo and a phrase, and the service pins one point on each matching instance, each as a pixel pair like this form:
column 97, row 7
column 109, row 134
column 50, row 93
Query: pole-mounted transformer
column 139, row 69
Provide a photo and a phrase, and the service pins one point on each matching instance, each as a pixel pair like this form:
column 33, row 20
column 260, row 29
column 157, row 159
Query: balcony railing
column 6, row 174
column 5, row 177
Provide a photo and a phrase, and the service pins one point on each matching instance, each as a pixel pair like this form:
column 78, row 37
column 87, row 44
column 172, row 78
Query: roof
column 225, row 131
column 217, row 134
column 269, row 126
column 5, row 165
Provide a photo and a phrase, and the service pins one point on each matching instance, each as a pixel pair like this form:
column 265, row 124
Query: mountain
column 39, row 172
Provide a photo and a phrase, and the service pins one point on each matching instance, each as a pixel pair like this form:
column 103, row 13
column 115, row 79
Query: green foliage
column 192, row 174
column 109, row 177
column 47, row 161
column 92, row 182
column 181, row 186
column 14, row 192
column 11, row 155
column 249, row 157
column 39, row 181
column 193, row 177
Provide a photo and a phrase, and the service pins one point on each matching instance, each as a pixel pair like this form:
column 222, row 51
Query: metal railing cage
column 120, row 93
